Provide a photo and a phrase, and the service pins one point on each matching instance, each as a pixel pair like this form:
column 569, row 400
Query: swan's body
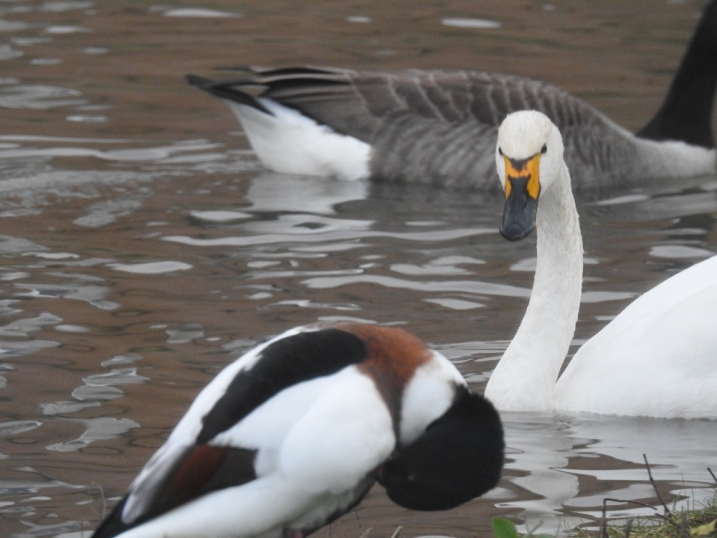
column 440, row 127
column 659, row 354
column 295, row 432
column 658, row 358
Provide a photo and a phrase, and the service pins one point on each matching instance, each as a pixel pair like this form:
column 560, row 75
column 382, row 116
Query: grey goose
column 440, row 127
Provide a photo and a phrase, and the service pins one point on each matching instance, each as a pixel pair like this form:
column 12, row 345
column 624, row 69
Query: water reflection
column 96, row 429
column 35, row 97
column 16, row 338
column 560, row 452
column 29, row 183
column 444, row 258
column 271, row 192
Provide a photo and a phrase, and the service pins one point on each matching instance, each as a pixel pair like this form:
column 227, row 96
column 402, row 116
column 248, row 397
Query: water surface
column 143, row 247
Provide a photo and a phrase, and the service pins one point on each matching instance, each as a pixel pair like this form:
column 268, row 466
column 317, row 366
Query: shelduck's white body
column 295, row 432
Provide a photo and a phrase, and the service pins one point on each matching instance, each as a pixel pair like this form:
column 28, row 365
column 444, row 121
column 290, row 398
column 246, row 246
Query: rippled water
column 143, row 247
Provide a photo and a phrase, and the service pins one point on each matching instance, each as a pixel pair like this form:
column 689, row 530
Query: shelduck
column 294, row 433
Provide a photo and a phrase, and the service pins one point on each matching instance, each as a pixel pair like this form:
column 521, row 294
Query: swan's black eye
column 500, row 152
column 544, row 149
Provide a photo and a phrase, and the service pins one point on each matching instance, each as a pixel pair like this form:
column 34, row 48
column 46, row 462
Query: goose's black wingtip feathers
column 227, row 90
column 686, row 113
column 199, row 82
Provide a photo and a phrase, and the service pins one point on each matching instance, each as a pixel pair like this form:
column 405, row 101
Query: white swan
column 658, row 358
column 440, row 127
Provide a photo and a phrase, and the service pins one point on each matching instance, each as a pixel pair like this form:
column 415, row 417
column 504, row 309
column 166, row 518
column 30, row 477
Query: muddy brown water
column 143, row 247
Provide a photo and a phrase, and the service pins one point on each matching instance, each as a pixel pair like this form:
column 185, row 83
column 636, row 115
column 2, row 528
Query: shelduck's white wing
column 287, row 409
column 184, row 435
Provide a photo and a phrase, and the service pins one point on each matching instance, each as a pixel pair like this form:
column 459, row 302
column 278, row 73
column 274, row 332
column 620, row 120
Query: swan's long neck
column 525, row 377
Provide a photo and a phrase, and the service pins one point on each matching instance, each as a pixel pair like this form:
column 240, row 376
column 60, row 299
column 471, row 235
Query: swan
column 294, row 433
column 657, row 358
column 440, row 127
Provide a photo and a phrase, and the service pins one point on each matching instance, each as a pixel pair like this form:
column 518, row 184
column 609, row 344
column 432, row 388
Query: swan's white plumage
column 525, row 376
column 658, row 358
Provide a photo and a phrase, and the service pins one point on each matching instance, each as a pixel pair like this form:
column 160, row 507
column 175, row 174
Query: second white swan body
column 658, row 358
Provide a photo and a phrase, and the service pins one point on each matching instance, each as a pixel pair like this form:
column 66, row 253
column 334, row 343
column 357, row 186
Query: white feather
column 268, row 425
column 187, row 429
column 657, row 358
column 311, row 431
column 428, row 395
column 287, row 141
column 332, row 447
column 247, row 503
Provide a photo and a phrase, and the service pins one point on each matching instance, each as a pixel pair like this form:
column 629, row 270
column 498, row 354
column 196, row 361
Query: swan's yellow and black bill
column 522, row 189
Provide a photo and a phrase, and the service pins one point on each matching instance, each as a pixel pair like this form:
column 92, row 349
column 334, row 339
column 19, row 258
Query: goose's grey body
column 440, row 127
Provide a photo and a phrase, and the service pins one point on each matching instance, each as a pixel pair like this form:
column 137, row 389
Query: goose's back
column 440, row 127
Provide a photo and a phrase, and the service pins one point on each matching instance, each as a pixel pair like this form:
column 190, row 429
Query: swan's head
column 529, row 157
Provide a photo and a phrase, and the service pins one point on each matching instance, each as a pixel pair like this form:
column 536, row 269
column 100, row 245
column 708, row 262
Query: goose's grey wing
column 358, row 102
column 435, row 127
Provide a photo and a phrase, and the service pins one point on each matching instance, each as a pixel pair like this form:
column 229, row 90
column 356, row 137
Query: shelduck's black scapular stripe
column 294, row 433
column 284, row 363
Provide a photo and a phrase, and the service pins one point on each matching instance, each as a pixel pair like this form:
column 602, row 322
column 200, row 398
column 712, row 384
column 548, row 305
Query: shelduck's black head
column 458, row 458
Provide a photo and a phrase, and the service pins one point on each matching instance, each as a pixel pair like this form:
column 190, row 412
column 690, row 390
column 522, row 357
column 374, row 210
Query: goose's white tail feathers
column 287, row 141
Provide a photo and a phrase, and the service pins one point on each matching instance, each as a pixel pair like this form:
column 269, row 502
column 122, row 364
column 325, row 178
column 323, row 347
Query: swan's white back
column 657, row 358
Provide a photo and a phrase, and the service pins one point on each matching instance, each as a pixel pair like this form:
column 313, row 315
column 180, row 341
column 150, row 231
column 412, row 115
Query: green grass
column 700, row 523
